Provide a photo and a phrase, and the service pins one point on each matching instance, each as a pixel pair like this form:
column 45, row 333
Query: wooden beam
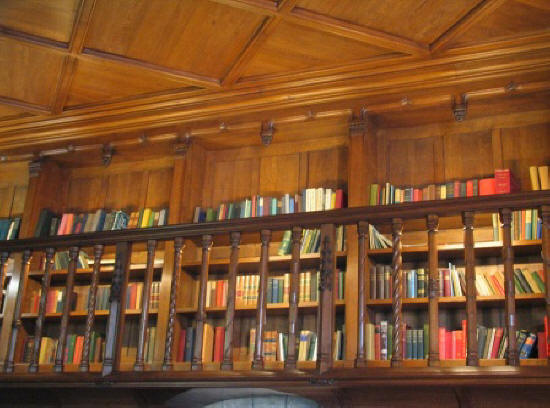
column 480, row 11
column 80, row 26
column 30, row 38
column 540, row 4
column 189, row 77
column 262, row 7
column 16, row 103
column 64, row 84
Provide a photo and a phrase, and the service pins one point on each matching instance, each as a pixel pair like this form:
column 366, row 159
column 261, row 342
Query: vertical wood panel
column 126, row 190
column 86, row 194
column 279, row 174
column 328, row 168
column 158, row 188
column 406, row 154
column 468, row 155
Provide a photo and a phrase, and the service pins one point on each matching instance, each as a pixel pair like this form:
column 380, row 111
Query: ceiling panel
column 282, row 52
column 51, row 19
column 9, row 112
column 97, row 80
column 510, row 19
column 200, row 37
column 29, row 73
column 421, row 21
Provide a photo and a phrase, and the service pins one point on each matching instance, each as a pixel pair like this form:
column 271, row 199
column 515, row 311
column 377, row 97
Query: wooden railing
column 206, row 233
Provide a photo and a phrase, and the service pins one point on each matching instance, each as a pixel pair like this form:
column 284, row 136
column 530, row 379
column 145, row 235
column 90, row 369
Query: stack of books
column 216, row 293
column 134, row 296
column 212, row 343
column 452, row 344
column 61, row 260
column 278, row 289
column 311, row 199
column 380, row 337
column 526, row 225
column 9, row 228
column 130, row 336
column 307, row 347
column 75, row 344
column 311, row 241
column 378, row 240
column 147, row 217
column 528, row 278
column 185, row 344
column 338, row 343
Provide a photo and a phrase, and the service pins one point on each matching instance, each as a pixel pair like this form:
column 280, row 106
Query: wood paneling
column 43, row 18
column 158, row 188
column 411, row 161
column 421, row 21
column 327, row 168
column 279, row 174
column 194, row 36
column 13, row 188
column 468, row 155
column 281, row 52
column 86, row 194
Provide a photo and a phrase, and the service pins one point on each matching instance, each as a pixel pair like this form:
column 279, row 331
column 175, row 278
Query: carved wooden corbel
column 359, row 122
column 107, row 154
column 183, row 144
column 266, row 132
column 35, row 166
column 460, row 108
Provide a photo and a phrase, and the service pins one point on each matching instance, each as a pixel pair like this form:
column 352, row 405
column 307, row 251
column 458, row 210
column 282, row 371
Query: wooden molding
column 540, row 4
column 64, row 84
column 80, row 26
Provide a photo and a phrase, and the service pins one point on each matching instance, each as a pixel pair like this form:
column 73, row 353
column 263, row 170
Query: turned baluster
column 362, row 230
column 227, row 364
column 509, row 288
column 196, row 363
column 432, row 222
column 46, row 278
column 3, row 271
column 326, row 313
column 16, row 325
column 397, row 281
column 85, row 362
column 472, row 359
column 258, row 362
column 67, row 303
column 174, row 287
column 145, row 298
column 544, row 213
column 294, row 291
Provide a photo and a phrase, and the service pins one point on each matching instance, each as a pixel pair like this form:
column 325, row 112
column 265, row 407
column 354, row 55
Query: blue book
column 414, row 282
column 539, row 228
column 291, row 205
column 275, row 291
column 527, row 346
column 189, row 338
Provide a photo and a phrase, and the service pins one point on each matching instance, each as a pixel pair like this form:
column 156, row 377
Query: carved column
column 92, row 293
column 12, row 342
column 33, row 365
column 145, row 299
column 397, row 282
column 545, row 215
column 196, row 363
column 227, row 364
column 67, row 303
column 174, row 287
column 362, row 230
column 472, row 358
column 432, row 222
column 117, row 299
column 258, row 363
column 509, row 288
column 3, row 270
column 294, row 290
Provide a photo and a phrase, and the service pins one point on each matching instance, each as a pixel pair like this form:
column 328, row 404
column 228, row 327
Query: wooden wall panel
column 13, row 188
column 523, row 147
column 411, row 161
column 468, row 155
column 158, row 188
column 19, row 196
column 279, row 174
column 126, row 190
column 230, row 181
column 6, row 200
column 328, row 168
column 86, row 194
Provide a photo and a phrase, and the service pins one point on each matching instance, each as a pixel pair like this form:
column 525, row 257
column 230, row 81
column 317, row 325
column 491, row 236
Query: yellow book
column 286, row 288
column 443, row 192
column 534, row 174
column 145, row 218
column 333, row 200
column 307, row 287
column 530, row 281
column 543, row 176
column 207, row 343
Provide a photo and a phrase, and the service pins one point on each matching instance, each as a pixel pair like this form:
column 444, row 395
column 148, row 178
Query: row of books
column 134, row 294
column 378, row 240
column 61, row 260
column 216, row 292
column 493, row 343
column 453, row 343
column 311, row 241
column 73, row 349
column 539, row 177
column 379, row 339
column 525, row 225
column 9, row 228
column 129, row 346
column 50, row 224
column 527, row 279
column 311, row 199
column 503, row 182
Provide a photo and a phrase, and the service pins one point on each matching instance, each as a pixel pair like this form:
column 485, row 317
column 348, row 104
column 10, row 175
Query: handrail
column 372, row 214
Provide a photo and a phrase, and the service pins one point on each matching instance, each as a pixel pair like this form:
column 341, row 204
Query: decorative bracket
column 182, row 145
column 107, row 154
column 266, row 132
column 359, row 123
column 460, row 108
column 35, row 167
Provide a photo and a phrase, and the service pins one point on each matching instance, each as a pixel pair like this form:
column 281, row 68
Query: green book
column 538, row 281
column 340, row 284
column 390, row 341
column 284, row 248
column 210, row 216
column 280, row 289
column 426, row 340
column 374, row 189
column 71, row 341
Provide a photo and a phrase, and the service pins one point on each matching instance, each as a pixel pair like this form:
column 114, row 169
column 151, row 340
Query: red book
column 495, row 281
column 470, row 188
column 377, row 342
column 219, row 337
column 416, row 194
column 487, row 186
column 496, row 343
column 339, row 198
column 181, row 346
column 523, row 225
column 69, row 225
column 77, row 356
column 133, row 296
column 464, row 338
column 254, row 205
column 51, row 300
column 219, row 293
column 62, row 224
column 448, row 345
column 541, row 344
column 454, row 344
column 446, row 282
column 456, row 189
column 505, row 182
column 420, row 195
column 442, row 346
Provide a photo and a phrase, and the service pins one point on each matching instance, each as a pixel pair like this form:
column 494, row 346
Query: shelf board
column 21, row 368
column 459, row 300
column 83, row 314
column 252, row 308
column 105, row 270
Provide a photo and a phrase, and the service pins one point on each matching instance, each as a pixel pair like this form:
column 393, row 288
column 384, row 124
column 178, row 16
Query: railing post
column 326, row 311
column 174, row 287
column 258, row 363
column 16, row 322
column 509, row 287
column 3, row 271
column 472, row 359
column 544, row 213
column 227, row 364
column 85, row 362
column 432, row 222
column 117, row 299
column 33, row 365
column 196, row 363
column 362, row 230
column 294, row 290
column 397, row 282
column 67, row 303
column 145, row 295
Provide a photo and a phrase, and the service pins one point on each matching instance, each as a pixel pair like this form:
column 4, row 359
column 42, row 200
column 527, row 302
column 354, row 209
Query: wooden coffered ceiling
column 79, row 71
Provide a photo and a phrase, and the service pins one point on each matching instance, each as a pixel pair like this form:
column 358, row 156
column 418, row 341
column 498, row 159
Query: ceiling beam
column 481, row 10
column 540, row 4
column 33, row 39
column 81, row 25
column 64, row 84
column 31, row 107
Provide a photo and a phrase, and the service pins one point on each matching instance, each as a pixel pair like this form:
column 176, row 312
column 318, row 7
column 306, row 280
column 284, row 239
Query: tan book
column 534, row 175
column 207, row 343
column 208, row 293
column 286, row 288
column 543, row 177
column 307, row 287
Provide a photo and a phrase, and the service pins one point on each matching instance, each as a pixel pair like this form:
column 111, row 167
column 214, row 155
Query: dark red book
column 446, row 282
column 219, row 293
column 505, row 182
column 487, row 186
column 457, row 189
column 181, row 346
column 377, row 342
column 219, row 339
column 470, row 188
column 448, row 345
column 464, row 338
column 417, row 194
column 442, row 345
column 339, row 198
column 496, row 342
column 541, row 345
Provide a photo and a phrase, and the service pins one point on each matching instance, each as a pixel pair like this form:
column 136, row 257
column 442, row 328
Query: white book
column 328, row 199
